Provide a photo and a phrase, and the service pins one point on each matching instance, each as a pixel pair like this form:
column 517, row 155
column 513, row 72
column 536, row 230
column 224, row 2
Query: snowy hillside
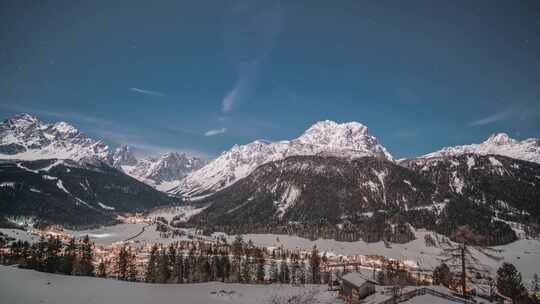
column 349, row 140
column 498, row 144
column 18, row 286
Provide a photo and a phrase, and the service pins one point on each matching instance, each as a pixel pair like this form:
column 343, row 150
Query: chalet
column 355, row 287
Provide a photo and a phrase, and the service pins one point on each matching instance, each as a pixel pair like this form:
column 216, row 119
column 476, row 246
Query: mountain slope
column 319, row 191
column 510, row 187
column 348, row 140
column 72, row 193
column 373, row 199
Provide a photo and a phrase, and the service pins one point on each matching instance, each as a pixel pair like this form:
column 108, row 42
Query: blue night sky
column 200, row 76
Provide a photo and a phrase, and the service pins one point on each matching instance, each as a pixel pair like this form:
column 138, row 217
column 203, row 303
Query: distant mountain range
column 335, row 180
column 25, row 137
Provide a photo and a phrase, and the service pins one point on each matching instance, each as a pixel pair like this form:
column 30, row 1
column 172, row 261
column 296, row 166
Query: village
column 353, row 278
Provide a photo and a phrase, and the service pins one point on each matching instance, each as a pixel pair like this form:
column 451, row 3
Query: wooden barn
column 355, row 287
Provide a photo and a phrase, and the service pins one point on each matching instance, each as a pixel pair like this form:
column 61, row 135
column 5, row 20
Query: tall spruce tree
column 274, row 271
column 284, row 272
column 52, row 255
column 132, row 272
column 163, row 274
column 260, row 271
column 509, row 282
column 315, row 266
column 150, row 275
column 86, row 255
column 102, row 269
column 178, row 268
column 70, row 252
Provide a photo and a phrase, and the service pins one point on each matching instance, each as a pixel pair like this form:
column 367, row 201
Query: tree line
column 239, row 262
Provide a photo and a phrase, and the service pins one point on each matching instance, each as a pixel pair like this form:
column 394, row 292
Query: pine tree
column 203, row 269
column 178, row 269
column 226, row 268
column 163, row 273
column 86, row 255
column 172, row 259
column 260, row 272
column 315, row 266
column 246, row 272
column 509, row 282
column 132, row 272
column 295, row 266
column 37, row 255
column 188, row 265
column 102, row 269
column 52, row 255
column 302, row 273
column 70, row 252
column 442, row 275
column 151, row 271
column 284, row 272
column 121, row 264
column 274, row 272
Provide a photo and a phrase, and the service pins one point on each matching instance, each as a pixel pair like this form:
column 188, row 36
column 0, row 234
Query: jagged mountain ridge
column 25, row 137
column 498, row 144
column 348, row 140
column 166, row 171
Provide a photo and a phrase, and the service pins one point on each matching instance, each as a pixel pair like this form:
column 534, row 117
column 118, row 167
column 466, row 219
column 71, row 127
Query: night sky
column 200, row 76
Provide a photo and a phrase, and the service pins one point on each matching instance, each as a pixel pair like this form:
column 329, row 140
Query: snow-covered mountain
column 498, row 144
column 123, row 157
column 25, row 137
column 327, row 138
column 164, row 172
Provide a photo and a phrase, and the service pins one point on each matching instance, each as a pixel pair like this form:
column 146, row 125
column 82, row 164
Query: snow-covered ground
column 20, row 235
column 28, row 286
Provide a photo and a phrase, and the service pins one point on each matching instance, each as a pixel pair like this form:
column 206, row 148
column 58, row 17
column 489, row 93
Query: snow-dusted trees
column 314, row 266
column 509, row 283
column 150, row 275
column 442, row 275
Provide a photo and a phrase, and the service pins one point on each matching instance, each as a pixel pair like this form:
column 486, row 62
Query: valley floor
column 20, row 286
column 524, row 253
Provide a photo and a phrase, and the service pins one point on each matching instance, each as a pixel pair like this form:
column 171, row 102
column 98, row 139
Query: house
column 355, row 287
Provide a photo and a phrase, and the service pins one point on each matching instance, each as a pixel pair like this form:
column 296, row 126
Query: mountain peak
column 64, row 127
column 498, row 144
column 500, row 139
column 123, row 156
column 23, row 120
column 343, row 136
column 332, row 126
column 328, row 138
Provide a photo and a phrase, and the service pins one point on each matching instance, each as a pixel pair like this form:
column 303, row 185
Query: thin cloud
column 490, row 119
column 147, row 92
column 250, row 33
column 214, row 132
column 247, row 80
